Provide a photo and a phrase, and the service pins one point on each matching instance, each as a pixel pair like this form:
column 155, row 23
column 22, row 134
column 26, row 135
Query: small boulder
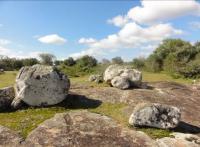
column 120, row 82
column 95, row 78
column 40, row 85
column 126, row 72
column 155, row 115
column 6, row 97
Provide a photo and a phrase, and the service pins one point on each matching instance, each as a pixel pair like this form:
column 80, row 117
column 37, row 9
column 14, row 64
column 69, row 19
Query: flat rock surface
column 83, row 128
column 9, row 138
column 170, row 93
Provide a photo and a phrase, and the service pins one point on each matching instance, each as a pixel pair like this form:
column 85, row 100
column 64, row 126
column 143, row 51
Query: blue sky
column 108, row 29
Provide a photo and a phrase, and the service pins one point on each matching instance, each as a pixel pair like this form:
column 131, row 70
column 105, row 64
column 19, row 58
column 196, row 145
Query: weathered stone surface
column 179, row 140
column 120, row 82
column 9, row 138
column 132, row 75
column 7, row 94
column 81, row 129
column 95, row 78
column 155, row 115
column 40, row 85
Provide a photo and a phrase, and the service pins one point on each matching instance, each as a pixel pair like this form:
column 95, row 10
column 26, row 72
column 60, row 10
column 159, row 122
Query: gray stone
column 120, row 82
column 179, row 140
column 40, row 85
column 9, row 138
column 132, row 75
column 155, row 115
column 95, row 78
column 85, row 129
column 6, row 97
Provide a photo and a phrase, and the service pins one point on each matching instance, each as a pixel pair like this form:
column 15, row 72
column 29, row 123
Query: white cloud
column 195, row 24
column 130, row 36
column 118, row 21
column 86, row 40
column 19, row 54
column 155, row 11
column 52, row 39
column 151, row 12
column 4, row 41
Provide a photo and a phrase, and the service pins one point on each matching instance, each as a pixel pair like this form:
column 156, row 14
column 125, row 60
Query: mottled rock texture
column 40, row 85
column 133, row 77
column 155, row 115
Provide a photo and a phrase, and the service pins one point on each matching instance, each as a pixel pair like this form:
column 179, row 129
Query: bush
column 139, row 63
column 117, row 60
column 86, row 62
column 154, row 63
column 69, row 62
column 46, row 58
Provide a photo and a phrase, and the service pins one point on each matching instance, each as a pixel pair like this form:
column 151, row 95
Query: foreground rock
column 95, row 78
column 125, row 76
column 9, row 138
column 179, row 140
column 6, row 97
column 40, row 85
column 81, row 129
column 155, row 115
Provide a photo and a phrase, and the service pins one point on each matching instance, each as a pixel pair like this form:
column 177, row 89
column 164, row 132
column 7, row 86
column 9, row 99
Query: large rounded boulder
column 40, row 85
column 155, row 115
column 125, row 76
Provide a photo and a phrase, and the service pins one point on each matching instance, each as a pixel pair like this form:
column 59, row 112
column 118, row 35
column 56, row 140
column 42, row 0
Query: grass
column 7, row 78
column 153, row 77
column 24, row 121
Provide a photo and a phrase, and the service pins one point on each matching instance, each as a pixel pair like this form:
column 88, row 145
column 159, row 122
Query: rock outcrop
column 179, row 140
column 7, row 95
column 9, row 138
column 155, row 115
column 40, row 85
column 125, row 76
column 83, row 128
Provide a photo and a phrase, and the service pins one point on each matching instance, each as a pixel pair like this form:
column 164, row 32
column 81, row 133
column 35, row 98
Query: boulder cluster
column 122, row 77
column 41, row 85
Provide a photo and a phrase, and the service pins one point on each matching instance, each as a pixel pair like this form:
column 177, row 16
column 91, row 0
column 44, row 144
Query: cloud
column 195, row 24
column 151, row 12
column 130, row 36
column 19, row 54
column 118, row 21
column 4, row 41
column 86, row 40
column 52, row 39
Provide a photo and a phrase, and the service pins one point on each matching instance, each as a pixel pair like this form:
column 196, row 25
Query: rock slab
column 83, row 128
column 40, row 85
column 155, row 115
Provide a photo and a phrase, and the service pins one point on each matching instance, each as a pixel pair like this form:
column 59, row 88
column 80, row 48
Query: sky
column 103, row 29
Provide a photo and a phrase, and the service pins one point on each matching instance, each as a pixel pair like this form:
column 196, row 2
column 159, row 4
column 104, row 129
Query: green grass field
column 24, row 121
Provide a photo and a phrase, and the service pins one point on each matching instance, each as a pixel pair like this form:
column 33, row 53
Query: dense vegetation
column 173, row 56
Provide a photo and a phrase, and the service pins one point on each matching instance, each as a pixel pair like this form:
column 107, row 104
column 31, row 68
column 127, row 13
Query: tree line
column 174, row 56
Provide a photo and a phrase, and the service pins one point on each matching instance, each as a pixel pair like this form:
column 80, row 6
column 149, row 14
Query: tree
column 153, row 63
column 117, row 60
column 30, row 61
column 70, row 61
column 139, row 63
column 46, row 58
column 105, row 61
column 86, row 61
